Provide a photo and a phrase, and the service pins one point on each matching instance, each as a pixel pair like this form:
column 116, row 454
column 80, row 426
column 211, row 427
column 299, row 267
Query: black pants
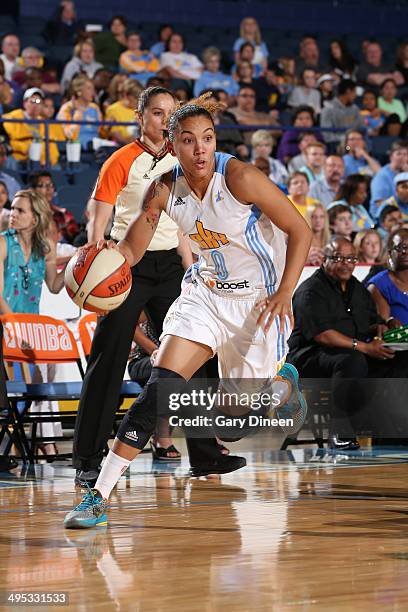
column 351, row 391
column 156, row 284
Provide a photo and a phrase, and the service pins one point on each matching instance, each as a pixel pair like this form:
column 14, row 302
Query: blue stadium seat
column 7, row 25
column 86, row 178
column 74, row 198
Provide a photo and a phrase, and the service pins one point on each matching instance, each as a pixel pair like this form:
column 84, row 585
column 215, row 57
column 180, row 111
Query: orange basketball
column 98, row 280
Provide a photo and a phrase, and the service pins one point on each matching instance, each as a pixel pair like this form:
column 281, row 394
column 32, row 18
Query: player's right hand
column 105, row 244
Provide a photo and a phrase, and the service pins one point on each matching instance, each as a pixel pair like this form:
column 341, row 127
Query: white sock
column 112, row 469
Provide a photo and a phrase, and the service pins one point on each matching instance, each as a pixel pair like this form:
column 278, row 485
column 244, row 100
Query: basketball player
column 157, row 277
column 238, row 304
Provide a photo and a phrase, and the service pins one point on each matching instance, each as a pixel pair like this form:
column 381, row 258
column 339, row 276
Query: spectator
column 303, row 118
column 67, row 228
column 325, row 86
column 402, row 62
column 353, row 193
column 341, row 62
column 390, row 218
column 4, row 206
column 262, row 144
column 249, row 32
column 368, row 246
column 392, row 127
column 334, row 317
column 115, row 89
column 400, row 199
column 32, row 58
column 298, row 187
column 178, row 63
column 304, row 139
column 325, row 189
column 21, row 135
column 268, row 94
column 28, row 259
column 136, row 62
column 309, row 56
column 372, row 116
column 287, row 65
column 246, row 53
column 373, row 71
column 48, row 112
column 62, row 29
column 81, row 108
column 389, row 288
column 83, row 61
column 124, row 110
column 388, row 103
column 10, row 50
column 340, row 221
column 318, row 220
column 356, row 159
column 245, row 112
column 159, row 47
column 109, row 45
column 101, row 80
column 342, row 112
column 6, row 96
column 212, row 77
column 383, row 185
column 244, row 74
column 306, row 93
column 12, row 185
column 314, row 155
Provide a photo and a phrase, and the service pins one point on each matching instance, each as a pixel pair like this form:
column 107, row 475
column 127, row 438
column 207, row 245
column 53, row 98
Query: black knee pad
column 140, row 420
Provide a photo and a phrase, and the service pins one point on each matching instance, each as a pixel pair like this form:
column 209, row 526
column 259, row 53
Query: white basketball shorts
column 227, row 324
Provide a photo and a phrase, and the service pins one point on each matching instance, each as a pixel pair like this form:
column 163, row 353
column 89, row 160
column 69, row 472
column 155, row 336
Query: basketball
column 98, row 280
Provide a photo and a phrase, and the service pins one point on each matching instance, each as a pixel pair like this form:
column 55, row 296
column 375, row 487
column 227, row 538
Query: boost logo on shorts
column 207, row 239
column 224, row 286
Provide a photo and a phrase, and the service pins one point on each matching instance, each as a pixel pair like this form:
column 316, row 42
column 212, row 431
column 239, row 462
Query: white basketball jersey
column 240, row 250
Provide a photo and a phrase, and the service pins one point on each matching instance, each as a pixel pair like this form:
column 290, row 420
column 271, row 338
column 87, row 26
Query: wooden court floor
column 293, row 531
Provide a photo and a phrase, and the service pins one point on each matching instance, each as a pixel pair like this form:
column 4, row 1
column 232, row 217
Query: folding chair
column 36, row 339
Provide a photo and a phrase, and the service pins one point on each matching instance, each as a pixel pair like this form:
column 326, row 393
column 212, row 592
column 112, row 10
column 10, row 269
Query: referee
column 121, row 184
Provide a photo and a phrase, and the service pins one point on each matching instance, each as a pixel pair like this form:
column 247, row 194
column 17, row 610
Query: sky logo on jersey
column 207, row 239
column 219, row 197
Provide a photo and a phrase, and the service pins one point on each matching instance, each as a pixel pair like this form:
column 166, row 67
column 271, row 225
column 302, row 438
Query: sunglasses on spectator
column 400, row 248
column 45, row 185
column 24, row 281
column 350, row 259
column 35, row 100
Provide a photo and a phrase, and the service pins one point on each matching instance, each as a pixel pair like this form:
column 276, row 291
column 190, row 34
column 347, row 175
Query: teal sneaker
column 90, row 512
column 295, row 407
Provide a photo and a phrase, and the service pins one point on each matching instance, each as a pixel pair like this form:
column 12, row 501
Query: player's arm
column 251, row 186
column 141, row 231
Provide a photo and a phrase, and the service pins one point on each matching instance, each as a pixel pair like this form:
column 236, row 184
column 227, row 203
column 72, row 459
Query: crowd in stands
column 333, row 107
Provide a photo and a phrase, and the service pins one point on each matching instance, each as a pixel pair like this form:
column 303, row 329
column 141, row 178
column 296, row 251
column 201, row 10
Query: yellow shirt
column 301, row 208
column 119, row 112
column 21, row 136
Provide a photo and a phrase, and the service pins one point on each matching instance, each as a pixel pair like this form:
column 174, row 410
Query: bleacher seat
column 74, row 198
column 7, row 25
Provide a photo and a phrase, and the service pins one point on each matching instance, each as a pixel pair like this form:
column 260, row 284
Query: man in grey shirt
column 325, row 189
column 342, row 112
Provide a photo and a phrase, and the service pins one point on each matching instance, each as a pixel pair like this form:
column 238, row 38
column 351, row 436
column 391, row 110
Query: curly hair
column 43, row 218
column 205, row 105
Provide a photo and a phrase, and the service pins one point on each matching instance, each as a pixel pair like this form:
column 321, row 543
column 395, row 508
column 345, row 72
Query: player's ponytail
column 205, row 105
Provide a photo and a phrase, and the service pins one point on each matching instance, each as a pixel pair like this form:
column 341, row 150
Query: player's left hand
column 279, row 304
